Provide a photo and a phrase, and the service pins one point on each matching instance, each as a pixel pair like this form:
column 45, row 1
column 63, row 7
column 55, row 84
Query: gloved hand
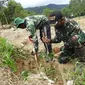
column 56, row 50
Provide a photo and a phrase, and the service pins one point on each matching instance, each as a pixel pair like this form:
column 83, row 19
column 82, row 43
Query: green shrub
column 6, row 50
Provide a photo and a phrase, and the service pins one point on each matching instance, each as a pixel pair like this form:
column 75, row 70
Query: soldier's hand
column 45, row 40
column 30, row 38
column 56, row 50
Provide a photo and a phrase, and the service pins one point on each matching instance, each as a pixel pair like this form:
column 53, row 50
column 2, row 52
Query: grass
column 49, row 68
column 6, row 50
column 25, row 75
column 77, row 73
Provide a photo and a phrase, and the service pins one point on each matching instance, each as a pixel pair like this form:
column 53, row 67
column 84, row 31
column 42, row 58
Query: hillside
column 41, row 8
column 51, row 73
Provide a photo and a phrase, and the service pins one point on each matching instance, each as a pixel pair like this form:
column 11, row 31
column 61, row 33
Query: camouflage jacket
column 32, row 24
column 67, row 31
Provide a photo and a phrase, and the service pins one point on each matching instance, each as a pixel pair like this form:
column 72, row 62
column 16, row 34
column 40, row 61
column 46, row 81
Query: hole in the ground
column 25, row 64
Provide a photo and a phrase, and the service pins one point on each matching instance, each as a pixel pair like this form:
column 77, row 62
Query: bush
column 6, row 50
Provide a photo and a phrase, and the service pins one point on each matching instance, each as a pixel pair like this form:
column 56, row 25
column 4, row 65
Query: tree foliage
column 12, row 10
column 47, row 11
column 76, row 8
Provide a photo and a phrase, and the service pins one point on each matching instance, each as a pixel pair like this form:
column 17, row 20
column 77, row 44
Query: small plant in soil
column 24, row 75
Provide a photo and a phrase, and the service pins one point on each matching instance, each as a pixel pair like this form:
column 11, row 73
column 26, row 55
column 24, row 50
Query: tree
column 2, row 13
column 14, row 10
column 47, row 11
column 11, row 11
column 76, row 7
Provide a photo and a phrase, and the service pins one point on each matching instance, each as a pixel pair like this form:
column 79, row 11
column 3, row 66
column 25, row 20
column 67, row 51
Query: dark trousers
column 47, row 32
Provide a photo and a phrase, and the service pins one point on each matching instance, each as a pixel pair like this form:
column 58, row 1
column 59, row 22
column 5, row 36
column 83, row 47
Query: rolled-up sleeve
column 31, row 28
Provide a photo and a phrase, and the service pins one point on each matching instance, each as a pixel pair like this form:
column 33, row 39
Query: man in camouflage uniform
column 33, row 23
column 69, row 32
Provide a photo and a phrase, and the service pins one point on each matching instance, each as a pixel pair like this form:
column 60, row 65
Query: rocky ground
column 9, row 78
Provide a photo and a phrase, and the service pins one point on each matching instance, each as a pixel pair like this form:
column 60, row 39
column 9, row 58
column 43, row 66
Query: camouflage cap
column 18, row 21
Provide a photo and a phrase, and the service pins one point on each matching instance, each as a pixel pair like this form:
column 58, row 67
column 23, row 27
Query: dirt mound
column 19, row 36
column 9, row 78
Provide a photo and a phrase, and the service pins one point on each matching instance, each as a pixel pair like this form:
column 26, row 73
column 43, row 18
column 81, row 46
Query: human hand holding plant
column 56, row 50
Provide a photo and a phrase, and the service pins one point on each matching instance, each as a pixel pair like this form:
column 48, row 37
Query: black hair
column 22, row 23
column 58, row 15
